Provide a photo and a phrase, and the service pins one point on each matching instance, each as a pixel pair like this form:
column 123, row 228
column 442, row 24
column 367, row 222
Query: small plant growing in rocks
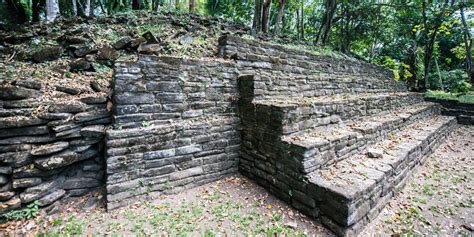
column 28, row 212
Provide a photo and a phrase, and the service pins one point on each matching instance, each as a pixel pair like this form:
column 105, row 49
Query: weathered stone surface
column 91, row 115
column 91, row 203
column 29, row 83
column 80, row 65
column 6, row 195
column 16, row 159
column 49, row 148
column 52, row 197
column 64, row 158
column 5, row 170
column 150, row 48
column 26, row 139
column 108, row 54
column 69, row 90
column 47, row 53
column 83, row 50
column 94, row 131
column 3, row 180
column 137, row 42
column 26, row 182
column 67, row 107
column 55, row 116
column 24, row 131
column 37, row 192
column 80, row 183
column 123, row 42
column 17, row 93
column 150, row 38
column 12, row 204
column 20, row 122
column 375, row 153
column 94, row 99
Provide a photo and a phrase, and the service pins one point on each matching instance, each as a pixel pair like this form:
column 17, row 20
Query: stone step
column 352, row 192
column 326, row 145
column 301, row 114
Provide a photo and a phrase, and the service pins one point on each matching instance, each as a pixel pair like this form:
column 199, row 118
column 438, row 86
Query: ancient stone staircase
column 336, row 153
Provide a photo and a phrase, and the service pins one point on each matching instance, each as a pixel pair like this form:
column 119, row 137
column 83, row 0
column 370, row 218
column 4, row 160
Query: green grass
column 442, row 95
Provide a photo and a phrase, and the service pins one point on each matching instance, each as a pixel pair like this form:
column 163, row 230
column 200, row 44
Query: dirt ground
column 438, row 201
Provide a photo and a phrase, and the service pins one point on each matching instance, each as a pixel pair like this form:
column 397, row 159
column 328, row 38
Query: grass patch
column 442, row 95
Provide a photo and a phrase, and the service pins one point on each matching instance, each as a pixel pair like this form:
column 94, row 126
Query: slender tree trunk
column 302, row 20
column 192, row 6
column 297, row 25
column 257, row 17
column 468, row 45
column 87, row 8
column 326, row 22
column 136, row 5
column 279, row 17
column 411, row 61
column 91, row 7
column 35, row 10
column 266, row 15
column 427, row 53
column 439, row 75
column 430, row 41
column 156, row 5
column 52, row 10
column 74, row 7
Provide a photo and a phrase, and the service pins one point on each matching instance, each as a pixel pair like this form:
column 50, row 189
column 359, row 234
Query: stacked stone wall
column 49, row 147
column 464, row 112
column 176, row 126
column 283, row 72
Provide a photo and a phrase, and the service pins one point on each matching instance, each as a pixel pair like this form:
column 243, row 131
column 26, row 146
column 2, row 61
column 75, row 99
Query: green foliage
column 30, row 211
column 452, row 81
column 382, row 33
column 442, row 95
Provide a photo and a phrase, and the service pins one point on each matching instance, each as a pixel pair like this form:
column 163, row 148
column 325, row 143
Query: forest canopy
column 426, row 43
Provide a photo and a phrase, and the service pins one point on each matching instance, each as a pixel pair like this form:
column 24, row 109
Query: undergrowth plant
column 30, row 211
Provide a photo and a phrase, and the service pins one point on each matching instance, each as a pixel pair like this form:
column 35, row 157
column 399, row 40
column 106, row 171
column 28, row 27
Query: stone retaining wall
column 281, row 72
column 463, row 111
column 49, row 149
column 176, row 126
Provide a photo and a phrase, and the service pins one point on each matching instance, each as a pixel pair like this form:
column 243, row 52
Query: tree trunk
column 468, row 45
column 87, row 8
column 427, row 53
column 136, row 4
column 411, row 61
column 192, row 6
column 326, row 23
column 302, row 20
column 91, row 7
column 156, row 5
column 74, row 7
column 266, row 15
column 52, row 10
column 35, row 10
column 430, row 41
column 279, row 17
column 19, row 11
column 298, row 23
column 257, row 17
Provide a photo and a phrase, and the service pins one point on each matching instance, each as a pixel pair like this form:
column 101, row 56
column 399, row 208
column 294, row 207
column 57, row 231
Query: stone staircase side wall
column 175, row 126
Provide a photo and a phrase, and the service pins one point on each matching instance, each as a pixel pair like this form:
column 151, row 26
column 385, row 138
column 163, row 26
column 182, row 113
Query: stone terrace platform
column 333, row 136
